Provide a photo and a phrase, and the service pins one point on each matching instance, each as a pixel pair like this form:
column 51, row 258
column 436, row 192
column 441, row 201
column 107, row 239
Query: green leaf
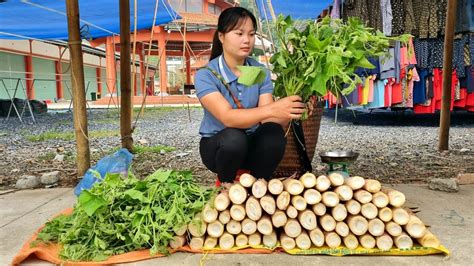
column 135, row 194
column 319, row 84
column 90, row 203
column 363, row 62
column 281, row 60
column 160, row 175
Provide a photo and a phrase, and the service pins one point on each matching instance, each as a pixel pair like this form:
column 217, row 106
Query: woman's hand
column 288, row 108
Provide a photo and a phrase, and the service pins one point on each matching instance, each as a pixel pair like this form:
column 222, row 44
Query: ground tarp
column 47, row 20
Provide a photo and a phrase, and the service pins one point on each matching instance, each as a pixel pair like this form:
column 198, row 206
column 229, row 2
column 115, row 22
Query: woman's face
column 239, row 42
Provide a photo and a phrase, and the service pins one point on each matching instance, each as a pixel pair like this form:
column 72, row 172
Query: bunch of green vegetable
column 315, row 57
column 121, row 215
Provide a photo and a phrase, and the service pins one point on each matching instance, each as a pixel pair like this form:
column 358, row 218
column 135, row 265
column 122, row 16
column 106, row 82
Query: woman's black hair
column 229, row 19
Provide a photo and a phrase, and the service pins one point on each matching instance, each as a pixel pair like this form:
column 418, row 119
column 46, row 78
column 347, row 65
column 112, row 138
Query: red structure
column 189, row 37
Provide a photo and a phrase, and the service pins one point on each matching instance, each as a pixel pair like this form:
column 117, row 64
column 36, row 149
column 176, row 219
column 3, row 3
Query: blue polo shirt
column 205, row 82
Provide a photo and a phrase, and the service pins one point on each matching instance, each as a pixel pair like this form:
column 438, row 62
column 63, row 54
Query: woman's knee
column 233, row 140
column 272, row 134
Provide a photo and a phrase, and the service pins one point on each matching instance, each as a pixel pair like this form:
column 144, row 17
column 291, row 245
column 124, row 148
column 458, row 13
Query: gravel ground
column 393, row 147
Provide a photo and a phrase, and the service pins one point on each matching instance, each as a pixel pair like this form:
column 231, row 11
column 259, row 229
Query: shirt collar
column 225, row 71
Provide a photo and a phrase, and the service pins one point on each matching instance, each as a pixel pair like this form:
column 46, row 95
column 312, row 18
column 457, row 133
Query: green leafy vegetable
column 315, row 58
column 121, row 215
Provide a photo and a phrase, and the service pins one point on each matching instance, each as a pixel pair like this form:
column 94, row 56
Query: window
column 213, row 9
column 193, row 6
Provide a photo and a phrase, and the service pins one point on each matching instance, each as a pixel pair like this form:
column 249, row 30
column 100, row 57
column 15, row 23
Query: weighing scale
column 338, row 160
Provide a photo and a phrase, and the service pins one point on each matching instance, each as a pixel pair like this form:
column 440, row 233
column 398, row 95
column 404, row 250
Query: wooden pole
column 125, row 84
column 78, row 88
column 445, row 118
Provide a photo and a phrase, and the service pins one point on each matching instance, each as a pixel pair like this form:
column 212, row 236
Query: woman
column 242, row 125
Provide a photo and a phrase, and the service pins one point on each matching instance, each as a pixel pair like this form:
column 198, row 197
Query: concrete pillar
column 188, row 69
column 59, row 80
column 98, row 74
column 110, row 66
column 30, row 90
column 163, row 68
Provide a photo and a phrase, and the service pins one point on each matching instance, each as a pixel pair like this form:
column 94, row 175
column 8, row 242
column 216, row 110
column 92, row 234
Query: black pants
column 232, row 149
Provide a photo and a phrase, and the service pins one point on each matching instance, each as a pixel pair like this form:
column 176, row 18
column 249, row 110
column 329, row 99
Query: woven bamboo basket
column 290, row 164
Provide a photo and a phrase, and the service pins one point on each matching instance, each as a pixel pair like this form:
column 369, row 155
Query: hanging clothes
column 387, row 65
column 356, row 8
column 410, row 21
column 398, row 18
column 420, row 88
column 386, row 9
column 375, row 15
column 422, row 52
column 379, row 95
column 336, row 9
column 388, row 92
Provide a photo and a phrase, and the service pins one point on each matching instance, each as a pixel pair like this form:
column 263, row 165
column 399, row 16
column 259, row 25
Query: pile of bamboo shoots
column 304, row 213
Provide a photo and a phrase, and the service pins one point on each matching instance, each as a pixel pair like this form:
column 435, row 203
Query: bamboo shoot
column 396, row 198
column 303, row 241
column 307, row 219
column 292, row 228
column 298, row 202
column 308, row 180
column 332, row 239
column 429, row 240
column 210, row 243
column 248, row 226
column 291, row 212
column 415, row 227
column 355, row 182
column 222, row 201
column 393, row 228
column 275, row 186
column 177, row 242
column 252, row 208
column 312, row 196
column 209, row 214
column 385, row 214
column 268, row 204
column 196, row 243
column 293, row 186
column 287, row 242
column 342, row 229
column 367, row 241
column 233, row 227
column 403, row 241
column 327, row 222
column 369, row 211
column 215, row 229
column 226, row 241
column 224, row 217
column 363, row 196
column 380, row 199
column 339, row 212
column 264, row 225
column 247, row 180
column 255, row 239
column 283, row 200
column 259, row 188
column 357, row 224
column 330, row 199
column 241, row 240
column 237, row 193
column 317, row 237
column 353, row 207
column 400, row 216
column 376, row 227
column 337, row 179
column 372, row 185
column 197, row 227
column 237, row 212
column 279, row 219
column 351, row 241
column 322, row 183
column 344, row 192
column 384, row 242
column 319, row 209
column 270, row 240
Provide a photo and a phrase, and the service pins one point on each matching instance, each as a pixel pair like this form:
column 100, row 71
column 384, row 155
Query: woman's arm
column 266, row 99
column 284, row 109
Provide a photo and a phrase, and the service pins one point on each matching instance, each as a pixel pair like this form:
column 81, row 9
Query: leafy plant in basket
column 317, row 57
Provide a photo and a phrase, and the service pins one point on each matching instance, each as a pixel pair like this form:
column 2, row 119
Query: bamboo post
column 125, row 83
column 78, row 88
column 445, row 118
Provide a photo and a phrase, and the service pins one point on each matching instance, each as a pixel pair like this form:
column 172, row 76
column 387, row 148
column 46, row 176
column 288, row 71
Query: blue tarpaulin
column 297, row 9
column 47, row 19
